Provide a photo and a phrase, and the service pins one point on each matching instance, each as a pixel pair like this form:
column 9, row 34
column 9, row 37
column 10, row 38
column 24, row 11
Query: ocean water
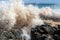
column 9, row 13
column 53, row 6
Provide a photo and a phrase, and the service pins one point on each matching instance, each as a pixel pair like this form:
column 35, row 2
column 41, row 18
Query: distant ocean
column 53, row 6
column 56, row 7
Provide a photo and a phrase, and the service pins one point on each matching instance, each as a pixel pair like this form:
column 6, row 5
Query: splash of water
column 29, row 16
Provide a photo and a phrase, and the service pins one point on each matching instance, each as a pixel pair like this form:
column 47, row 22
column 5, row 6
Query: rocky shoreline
column 46, row 32
column 43, row 32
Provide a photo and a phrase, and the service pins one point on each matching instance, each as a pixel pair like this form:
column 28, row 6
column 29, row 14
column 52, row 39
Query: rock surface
column 14, row 34
column 46, row 32
column 43, row 32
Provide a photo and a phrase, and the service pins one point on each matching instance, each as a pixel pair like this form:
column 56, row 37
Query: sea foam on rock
column 24, row 18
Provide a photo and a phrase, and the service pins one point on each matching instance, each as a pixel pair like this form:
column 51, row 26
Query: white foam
column 8, row 13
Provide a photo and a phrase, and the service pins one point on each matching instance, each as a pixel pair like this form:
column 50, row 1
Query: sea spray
column 7, row 19
column 47, row 11
column 25, row 17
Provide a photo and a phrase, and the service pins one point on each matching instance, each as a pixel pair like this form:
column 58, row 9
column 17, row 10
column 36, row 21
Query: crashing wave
column 16, row 14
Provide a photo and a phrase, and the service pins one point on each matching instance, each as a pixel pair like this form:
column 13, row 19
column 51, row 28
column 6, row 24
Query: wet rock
column 45, row 32
column 13, row 34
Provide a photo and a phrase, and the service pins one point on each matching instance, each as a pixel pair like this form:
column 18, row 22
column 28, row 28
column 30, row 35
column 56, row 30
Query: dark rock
column 45, row 32
column 13, row 34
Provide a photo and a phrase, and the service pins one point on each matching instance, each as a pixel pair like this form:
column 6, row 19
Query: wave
column 16, row 14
